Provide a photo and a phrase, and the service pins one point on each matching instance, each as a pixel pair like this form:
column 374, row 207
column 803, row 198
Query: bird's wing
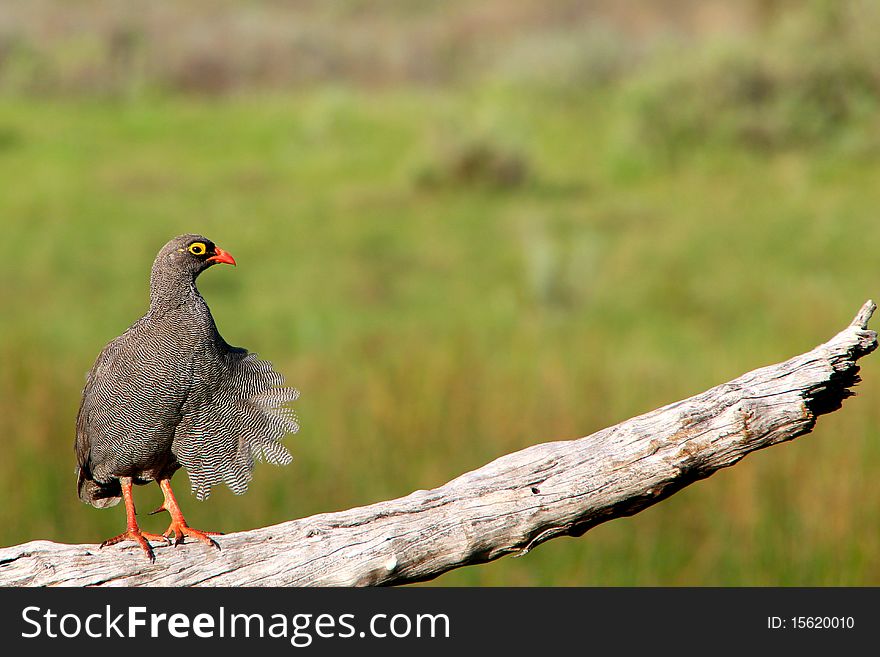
column 236, row 413
column 93, row 492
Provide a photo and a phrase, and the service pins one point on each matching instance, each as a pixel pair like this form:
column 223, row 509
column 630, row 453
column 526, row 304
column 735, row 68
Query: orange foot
column 178, row 527
column 132, row 531
column 142, row 538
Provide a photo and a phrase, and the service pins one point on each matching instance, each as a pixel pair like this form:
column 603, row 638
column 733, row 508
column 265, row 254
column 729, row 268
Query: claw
column 141, row 538
column 179, row 530
column 133, row 532
column 178, row 527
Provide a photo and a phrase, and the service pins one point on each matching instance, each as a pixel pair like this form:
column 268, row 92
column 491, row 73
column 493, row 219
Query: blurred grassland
column 453, row 271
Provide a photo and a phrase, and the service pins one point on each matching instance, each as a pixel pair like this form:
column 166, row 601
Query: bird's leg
column 178, row 525
column 133, row 532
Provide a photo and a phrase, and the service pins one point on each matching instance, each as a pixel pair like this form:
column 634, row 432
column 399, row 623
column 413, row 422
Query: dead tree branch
column 505, row 507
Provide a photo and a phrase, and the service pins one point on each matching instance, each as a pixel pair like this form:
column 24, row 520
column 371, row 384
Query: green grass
column 433, row 328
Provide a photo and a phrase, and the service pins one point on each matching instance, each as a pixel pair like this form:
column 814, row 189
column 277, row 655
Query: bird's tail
column 98, row 495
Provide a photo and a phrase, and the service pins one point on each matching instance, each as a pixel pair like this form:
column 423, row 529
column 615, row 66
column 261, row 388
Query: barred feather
column 243, row 415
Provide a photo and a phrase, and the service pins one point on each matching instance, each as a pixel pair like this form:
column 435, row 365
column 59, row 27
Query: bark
column 508, row 506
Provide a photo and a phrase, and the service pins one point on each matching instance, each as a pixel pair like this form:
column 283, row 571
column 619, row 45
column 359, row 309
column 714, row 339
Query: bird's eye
column 198, row 248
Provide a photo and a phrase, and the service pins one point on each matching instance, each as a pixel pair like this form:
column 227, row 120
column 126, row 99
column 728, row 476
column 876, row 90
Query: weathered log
column 505, row 507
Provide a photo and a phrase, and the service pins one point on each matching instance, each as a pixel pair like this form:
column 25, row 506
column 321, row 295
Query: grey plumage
column 171, row 392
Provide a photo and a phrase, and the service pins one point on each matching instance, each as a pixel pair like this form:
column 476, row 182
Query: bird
column 170, row 392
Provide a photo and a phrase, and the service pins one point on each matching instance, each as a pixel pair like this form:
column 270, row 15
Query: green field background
column 455, row 268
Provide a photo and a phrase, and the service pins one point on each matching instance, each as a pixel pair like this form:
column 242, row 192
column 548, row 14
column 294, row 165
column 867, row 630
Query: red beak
column 221, row 256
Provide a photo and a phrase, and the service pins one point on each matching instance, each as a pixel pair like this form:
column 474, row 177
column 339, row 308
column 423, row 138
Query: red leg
column 133, row 532
column 178, row 525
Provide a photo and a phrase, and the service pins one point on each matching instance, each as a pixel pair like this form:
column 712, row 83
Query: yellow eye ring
column 198, row 248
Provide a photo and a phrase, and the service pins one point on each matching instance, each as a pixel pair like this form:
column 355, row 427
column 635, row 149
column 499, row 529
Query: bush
column 809, row 78
column 479, row 163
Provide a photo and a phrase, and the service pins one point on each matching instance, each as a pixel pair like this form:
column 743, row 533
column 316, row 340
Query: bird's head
column 178, row 264
column 191, row 254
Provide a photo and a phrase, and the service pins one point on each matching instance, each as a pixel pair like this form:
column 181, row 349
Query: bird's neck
column 171, row 289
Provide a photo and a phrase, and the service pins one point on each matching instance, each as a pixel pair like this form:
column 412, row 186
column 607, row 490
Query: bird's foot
column 180, row 529
column 141, row 538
